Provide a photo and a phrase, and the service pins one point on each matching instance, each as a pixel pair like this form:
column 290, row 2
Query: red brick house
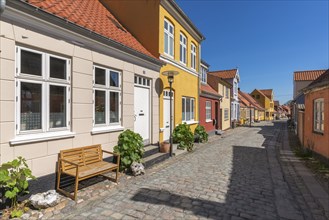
column 316, row 116
column 209, row 104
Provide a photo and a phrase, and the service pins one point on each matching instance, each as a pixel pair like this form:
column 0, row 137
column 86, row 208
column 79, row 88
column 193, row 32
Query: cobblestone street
column 235, row 177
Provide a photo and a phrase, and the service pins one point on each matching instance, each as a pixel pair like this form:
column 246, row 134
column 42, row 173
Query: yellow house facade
column 266, row 99
column 164, row 29
column 224, row 89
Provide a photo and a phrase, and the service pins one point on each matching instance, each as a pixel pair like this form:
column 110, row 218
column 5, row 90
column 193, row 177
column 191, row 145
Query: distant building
column 316, row 116
column 209, row 104
column 265, row 98
column 303, row 78
column 232, row 76
column 223, row 88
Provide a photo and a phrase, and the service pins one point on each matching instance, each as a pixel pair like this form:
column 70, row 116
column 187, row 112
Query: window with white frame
column 168, row 38
column 208, row 111
column 182, row 48
column 318, row 115
column 107, row 97
column 203, row 74
column 227, row 92
column 193, row 56
column 187, row 109
column 43, row 87
column 226, row 114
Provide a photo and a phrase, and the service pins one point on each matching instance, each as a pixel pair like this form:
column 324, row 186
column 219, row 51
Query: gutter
column 70, row 26
column 2, row 6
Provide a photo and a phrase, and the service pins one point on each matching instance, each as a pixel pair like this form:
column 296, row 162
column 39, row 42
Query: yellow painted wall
column 264, row 102
column 185, row 84
column 225, row 103
column 140, row 18
column 178, row 29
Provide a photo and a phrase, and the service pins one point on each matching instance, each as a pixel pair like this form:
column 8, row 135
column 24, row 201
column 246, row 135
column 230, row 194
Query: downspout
column 199, row 90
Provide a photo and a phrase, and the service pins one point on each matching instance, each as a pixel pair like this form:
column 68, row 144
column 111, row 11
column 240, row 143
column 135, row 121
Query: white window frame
column 227, row 92
column 318, row 115
column 108, row 89
column 192, row 111
column 182, row 48
column 193, row 56
column 226, row 114
column 203, row 75
column 171, row 47
column 45, row 81
column 208, row 111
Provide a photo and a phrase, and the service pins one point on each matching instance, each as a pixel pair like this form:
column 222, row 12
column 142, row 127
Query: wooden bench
column 83, row 163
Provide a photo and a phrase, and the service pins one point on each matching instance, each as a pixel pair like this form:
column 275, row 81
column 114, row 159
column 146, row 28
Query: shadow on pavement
column 249, row 193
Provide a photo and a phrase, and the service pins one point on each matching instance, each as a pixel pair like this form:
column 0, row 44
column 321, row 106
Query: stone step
column 154, row 159
column 150, row 150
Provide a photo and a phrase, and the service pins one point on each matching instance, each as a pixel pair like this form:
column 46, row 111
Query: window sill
column 100, row 130
column 31, row 138
column 190, row 122
column 207, row 121
column 318, row 132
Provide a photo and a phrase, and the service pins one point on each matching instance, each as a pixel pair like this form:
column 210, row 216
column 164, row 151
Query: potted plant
column 183, row 135
column 165, row 147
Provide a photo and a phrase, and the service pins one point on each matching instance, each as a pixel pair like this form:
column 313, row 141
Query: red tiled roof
column 91, row 15
column 322, row 80
column 308, row 75
column 267, row 92
column 207, row 89
column 225, row 74
column 244, row 101
column 252, row 100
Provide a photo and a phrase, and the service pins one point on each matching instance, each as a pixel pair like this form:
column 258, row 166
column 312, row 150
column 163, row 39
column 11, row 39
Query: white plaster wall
column 42, row 156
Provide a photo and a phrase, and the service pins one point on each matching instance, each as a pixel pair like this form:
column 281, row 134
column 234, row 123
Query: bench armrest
column 67, row 161
column 109, row 152
column 114, row 154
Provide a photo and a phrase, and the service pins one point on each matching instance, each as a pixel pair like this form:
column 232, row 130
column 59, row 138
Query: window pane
column 171, row 29
column 166, row 25
column 192, row 109
column 100, row 78
column 183, row 110
column 57, row 68
column 31, row 63
column 100, row 107
column 171, row 46
column 31, row 106
column 188, row 110
column 114, row 79
column 114, row 107
column 166, row 39
column 57, row 111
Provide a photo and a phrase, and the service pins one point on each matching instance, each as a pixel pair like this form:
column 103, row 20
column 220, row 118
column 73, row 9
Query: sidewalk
column 312, row 192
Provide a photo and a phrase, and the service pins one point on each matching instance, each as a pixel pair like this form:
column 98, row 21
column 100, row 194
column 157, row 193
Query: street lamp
column 170, row 75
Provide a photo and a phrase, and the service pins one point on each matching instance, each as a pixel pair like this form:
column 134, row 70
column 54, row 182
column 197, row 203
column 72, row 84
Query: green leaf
column 10, row 194
column 16, row 213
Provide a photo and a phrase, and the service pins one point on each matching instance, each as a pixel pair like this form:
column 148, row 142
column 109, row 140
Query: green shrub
column 130, row 147
column 183, row 135
column 14, row 177
column 201, row 134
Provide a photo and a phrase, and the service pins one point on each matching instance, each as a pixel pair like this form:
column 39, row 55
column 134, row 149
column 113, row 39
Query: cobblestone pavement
column 235, row 177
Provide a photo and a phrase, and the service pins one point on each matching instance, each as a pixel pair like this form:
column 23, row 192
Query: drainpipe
column 2, row 5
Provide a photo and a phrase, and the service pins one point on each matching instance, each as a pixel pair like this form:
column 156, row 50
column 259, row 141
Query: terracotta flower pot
column 164, row 147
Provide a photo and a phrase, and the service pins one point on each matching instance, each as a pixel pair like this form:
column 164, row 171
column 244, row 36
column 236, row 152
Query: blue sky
column 266, row 40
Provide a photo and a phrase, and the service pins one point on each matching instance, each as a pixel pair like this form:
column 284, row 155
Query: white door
column 142, row 112
column 166, row 115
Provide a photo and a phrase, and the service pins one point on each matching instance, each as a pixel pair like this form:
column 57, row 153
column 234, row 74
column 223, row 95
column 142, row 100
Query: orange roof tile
column 91, row 15
column 252, row 100
column 267, row 92
column 225, row 74
column 308, row 75
column 207, row 89
column 244, row 101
